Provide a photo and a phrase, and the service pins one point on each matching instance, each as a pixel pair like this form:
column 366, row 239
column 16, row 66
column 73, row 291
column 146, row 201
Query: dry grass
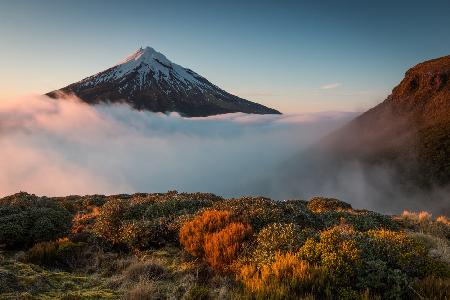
column 144, row 290
column 439, row 248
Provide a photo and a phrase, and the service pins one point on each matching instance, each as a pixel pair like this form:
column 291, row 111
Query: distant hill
column 410, row 130
column 147, row 80
column 394, row 155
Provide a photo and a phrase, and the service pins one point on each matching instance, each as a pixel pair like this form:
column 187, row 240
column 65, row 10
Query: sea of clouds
column 61, row 147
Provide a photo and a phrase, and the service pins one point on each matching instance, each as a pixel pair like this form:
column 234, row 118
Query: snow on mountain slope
column 147, row 80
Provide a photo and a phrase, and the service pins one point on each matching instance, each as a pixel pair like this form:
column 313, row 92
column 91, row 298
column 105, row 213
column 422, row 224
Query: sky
column 295, row 56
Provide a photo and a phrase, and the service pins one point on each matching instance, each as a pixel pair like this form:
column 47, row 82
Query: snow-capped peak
column 147, row 63
column 147, row 55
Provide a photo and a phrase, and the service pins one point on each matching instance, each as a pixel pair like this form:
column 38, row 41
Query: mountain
column 409, row 131
column 147, row 80
column 395, row 155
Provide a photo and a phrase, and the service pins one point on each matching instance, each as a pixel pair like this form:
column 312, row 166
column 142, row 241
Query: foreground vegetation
column 200, row 246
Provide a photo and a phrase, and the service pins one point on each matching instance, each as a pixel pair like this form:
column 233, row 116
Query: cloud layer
column 51, row 147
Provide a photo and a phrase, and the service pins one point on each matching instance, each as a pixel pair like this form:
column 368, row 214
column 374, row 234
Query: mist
column 61, row 147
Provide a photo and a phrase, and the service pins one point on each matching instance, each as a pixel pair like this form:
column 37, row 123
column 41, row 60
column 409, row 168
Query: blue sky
column 296, row 56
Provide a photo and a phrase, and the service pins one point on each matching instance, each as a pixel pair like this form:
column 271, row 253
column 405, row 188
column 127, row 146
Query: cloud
column 60, row 147
column 331, row 86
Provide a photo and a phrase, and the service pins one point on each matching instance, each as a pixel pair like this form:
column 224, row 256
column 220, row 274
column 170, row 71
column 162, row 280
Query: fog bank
column 51, row 147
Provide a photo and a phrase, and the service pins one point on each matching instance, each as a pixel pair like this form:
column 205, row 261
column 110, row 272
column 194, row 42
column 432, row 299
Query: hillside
column 147, row 80
column 409, row 131
column 201, row 246
column 394, row 155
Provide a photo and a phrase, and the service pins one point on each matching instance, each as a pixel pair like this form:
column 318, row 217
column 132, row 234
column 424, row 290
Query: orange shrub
column 193, row 233
column 215, row 236
column 287, row 277
column 222, row 248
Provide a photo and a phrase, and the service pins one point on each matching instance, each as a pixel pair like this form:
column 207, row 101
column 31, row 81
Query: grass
column 34, row 282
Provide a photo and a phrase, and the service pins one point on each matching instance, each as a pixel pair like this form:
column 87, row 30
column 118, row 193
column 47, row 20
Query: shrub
column 297, row 212
column 84, row 220
column 214, row 236
column 257, row 211
column 61, row 253
column 399, row 250
column 27, row 219
column 362, row 220
column 287, row 277
column 222, row 248
column 109, row 221
column 174, row 207
column 193, row 233
column 279, row 237
column 379, row 278
column 143, row 235
column 321, row 204
column 337, row 251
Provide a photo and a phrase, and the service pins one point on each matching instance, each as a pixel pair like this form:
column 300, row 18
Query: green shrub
column 62, row 253
column 362, row 220
column 337, row 251
column 378, row 277
column 279, row 237
column 257, row 211
column 143, row 235
column 27, row 219
column 109, row 221
column 174, row 207
column 297, row 212
column 321, row 204
column 399, row 250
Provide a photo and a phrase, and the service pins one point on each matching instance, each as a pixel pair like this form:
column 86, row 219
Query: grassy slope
column 165, row 270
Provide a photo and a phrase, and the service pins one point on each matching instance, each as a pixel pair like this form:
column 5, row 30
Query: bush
column 337, row 252
column 378, row 277
column 61, row 253
column 222, row 248
column 279, row 237
column 143, row 235
column 399, row 250
column 287, row 277
column 109, row 220
column 257, row 211
column 27, row 219
column 193, row 233
column 321, row 204
column 174, row 207
column 214, row 236
column 362, row 220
